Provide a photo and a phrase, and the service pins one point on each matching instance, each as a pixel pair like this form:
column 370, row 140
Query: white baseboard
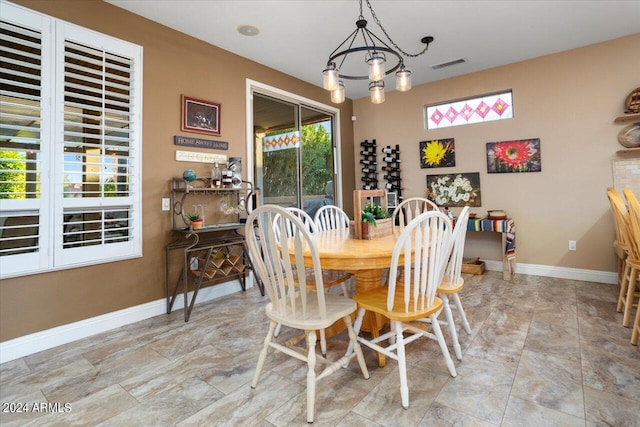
column 39, row 341
column 43, row 340
column 558, row 272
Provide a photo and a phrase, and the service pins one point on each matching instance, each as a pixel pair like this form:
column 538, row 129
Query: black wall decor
column 369, row 165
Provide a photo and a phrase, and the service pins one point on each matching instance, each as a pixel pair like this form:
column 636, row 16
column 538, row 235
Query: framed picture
column 437, row 153
column 514, row 156
column 200, row 116
column 456, row 189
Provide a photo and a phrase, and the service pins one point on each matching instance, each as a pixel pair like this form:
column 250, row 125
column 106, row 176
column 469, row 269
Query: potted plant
column 195, row 220
column 375, row 222
column 372, row 213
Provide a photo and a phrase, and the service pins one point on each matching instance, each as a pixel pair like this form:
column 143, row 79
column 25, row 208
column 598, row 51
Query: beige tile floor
column 543, row 352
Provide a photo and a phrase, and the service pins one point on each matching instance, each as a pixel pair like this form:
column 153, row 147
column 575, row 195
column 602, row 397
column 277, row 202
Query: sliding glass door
column 294, row 152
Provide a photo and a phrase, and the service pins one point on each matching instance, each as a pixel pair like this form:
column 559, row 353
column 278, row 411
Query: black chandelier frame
column 369, row 46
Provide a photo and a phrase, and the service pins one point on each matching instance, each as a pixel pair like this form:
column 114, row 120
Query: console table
column 508, row 231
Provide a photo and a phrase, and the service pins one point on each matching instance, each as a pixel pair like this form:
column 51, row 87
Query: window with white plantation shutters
column 70, row 143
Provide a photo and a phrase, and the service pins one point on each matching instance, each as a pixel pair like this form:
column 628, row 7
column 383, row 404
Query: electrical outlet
column 572, row 245
column 166, row 204
column 193, row 263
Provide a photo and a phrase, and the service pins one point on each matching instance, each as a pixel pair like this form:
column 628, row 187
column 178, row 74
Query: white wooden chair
column 406, row 211
column 453, row 281
column 330, row 217
column 428, row 237
column 411, row 208
column 307, row 221
column 330, row 278
column 294, row 304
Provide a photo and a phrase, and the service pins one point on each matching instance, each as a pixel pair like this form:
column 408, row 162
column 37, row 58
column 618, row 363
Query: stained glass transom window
column 497, row 106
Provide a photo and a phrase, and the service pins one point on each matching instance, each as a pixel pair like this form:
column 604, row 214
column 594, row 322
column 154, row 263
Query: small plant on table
column 373, row 212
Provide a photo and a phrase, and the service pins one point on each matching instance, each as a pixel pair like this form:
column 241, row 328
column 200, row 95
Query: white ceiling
column 296, row 37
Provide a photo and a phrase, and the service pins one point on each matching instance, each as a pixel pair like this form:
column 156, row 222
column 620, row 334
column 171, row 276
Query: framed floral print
column 437, row 153
column 514, row 156
column 451, row 190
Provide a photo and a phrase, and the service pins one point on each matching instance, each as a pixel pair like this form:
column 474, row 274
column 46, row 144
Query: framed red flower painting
column 514, row 156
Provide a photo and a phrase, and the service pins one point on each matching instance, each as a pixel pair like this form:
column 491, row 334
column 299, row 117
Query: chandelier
column 381, row 58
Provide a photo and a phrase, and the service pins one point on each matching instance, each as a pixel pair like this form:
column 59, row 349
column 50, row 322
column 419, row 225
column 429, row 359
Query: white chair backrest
column 428, row 239
column 304, row 217
column 411, row 208
column 272, row 261
column 454, row 267
column 330, row 217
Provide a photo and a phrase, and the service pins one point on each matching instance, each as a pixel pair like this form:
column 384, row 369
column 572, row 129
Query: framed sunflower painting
column 514, row 156
column 437, row 153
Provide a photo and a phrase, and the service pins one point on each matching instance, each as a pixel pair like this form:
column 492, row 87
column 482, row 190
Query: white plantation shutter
column 78, row 173
column 24, row 117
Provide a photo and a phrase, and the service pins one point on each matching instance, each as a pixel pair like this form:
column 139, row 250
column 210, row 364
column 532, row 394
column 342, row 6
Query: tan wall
column 569, row 100
column 174, row 64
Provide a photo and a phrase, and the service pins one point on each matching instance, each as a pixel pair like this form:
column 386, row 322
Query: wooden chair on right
column 630, row 275
column 411, row 208
column 632, row 280
column 294, row 304
column 620, row 221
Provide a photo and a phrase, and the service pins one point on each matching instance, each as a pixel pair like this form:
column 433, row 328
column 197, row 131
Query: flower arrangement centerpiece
column 454, row 189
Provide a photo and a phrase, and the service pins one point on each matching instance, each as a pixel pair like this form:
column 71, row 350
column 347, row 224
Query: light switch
column 166, row 204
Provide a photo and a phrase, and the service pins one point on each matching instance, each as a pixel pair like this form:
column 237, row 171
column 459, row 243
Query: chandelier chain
column 377, row 21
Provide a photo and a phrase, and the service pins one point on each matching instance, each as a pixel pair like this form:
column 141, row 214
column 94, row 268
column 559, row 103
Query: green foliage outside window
column 12, row 175
column 281, row 167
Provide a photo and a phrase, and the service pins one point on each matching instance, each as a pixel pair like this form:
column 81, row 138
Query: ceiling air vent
column 449, row 64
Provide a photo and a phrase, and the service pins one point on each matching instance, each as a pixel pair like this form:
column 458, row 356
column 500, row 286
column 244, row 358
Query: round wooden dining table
column 365, row 259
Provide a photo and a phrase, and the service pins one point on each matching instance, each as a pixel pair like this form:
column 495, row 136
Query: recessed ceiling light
column 248, row 30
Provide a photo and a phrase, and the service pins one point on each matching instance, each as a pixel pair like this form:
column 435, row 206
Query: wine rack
column 369, row 165
column 391, row 158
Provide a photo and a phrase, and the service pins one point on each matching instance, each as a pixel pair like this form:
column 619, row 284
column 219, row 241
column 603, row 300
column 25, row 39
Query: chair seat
column 376, row 300
column 337, row 307
column 450, row 288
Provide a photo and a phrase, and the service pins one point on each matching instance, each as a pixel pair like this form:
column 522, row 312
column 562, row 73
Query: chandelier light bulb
column 330, row 77
column 337, row 95
column 376, row 90
column 403, row 79
column 376, row 62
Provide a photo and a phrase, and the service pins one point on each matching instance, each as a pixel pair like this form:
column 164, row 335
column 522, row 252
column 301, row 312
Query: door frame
column 255, row 86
